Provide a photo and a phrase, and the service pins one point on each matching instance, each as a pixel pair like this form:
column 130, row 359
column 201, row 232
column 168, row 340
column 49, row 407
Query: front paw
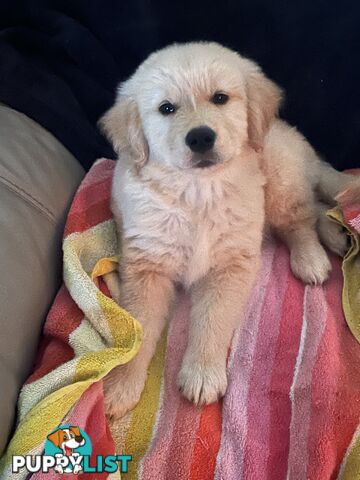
column 310, row 263
column 202, row 383
column 123, row 387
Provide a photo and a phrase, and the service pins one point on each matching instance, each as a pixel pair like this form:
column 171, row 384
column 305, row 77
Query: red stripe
column 51, row 355
column 88, row 218
column 91, row 195
column 64, row 317
column 182, row 441
column 284, row 364
column 207, row 443
column 102, row 444
column 91, row 202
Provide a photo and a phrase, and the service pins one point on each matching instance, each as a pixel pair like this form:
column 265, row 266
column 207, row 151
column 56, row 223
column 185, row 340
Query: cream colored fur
column 203, row 227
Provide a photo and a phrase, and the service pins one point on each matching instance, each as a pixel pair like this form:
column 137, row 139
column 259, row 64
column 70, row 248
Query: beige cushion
column 38, row 178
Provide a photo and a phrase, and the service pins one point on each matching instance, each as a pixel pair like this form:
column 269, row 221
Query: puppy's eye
column 220, row 98
column 167, row 108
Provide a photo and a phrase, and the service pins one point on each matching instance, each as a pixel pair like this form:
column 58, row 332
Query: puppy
column 204, row 163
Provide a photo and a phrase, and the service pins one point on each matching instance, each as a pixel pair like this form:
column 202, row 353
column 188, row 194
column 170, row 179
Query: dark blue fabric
column 60, row 61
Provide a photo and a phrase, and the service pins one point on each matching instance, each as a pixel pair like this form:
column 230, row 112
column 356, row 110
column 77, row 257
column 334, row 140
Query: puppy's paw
column 310, row 263
column 333, row 236
column 202, row 383
column 123, row 387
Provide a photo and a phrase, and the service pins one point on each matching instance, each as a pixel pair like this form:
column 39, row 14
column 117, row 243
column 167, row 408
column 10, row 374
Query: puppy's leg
column 147, row 293
column 331, row 233
column 218, row 303
column 292, row 170
column 294, row 219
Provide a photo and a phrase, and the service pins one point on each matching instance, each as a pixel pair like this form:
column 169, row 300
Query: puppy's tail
column 334, row 186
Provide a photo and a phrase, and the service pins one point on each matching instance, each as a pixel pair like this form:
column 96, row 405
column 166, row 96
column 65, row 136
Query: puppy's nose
column 200, row 139
column 79, row 438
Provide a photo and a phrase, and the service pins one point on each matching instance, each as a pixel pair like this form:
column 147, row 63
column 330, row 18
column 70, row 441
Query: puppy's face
column 193, row 110
column 192, row 106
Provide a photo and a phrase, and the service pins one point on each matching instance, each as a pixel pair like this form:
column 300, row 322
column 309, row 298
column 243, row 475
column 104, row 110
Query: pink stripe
column 83, row 412
column 329, row 383
column 234, row 429
column 100, row 171
column 284, row 363
column 174, row 410
column 355, row 223
column 259, row 397
column 315, row 312
column 182, row 443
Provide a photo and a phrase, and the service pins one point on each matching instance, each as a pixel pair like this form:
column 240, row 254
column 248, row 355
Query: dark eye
column 220, row 98
column 167, row 108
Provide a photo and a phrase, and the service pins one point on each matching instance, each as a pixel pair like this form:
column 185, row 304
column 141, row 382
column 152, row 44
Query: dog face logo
column 67, row 439
column 68, row 444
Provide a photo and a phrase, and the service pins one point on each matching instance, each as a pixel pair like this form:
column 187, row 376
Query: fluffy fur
column 203, row 227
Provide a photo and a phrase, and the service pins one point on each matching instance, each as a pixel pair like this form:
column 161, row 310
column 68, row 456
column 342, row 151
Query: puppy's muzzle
column 200, row 139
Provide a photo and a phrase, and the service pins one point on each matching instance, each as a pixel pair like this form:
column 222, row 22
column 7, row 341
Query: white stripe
column 298, row 362
column 300, row 354
column 314, row 322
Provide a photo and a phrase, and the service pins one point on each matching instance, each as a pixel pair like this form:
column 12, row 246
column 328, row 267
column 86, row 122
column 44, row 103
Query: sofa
column 38, row 177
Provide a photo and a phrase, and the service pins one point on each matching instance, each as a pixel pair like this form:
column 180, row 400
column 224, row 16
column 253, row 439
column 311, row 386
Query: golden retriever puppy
column 203, row 163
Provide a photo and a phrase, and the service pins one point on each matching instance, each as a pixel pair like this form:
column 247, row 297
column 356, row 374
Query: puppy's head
column 70, row 437
column 191, row 106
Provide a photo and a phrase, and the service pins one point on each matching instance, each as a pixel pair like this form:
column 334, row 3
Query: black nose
column 79, row 439
column 200, row 139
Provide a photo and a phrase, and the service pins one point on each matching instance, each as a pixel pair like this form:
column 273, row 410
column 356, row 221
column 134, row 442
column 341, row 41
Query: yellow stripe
column 91, row 367
column 104, row 266
column 351, row 468
column 143, row 418
column 351, row 306
column 351, row 271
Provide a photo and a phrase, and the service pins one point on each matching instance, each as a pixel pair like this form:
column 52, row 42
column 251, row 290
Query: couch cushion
column 38, row 178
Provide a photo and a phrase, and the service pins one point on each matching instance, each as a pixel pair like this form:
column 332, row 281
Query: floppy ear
column 56, row 437
column 75, row 431
column 122, row 125
column 264, row 98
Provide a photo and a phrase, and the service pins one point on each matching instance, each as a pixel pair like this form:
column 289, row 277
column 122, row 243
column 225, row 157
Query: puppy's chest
column 189, row 238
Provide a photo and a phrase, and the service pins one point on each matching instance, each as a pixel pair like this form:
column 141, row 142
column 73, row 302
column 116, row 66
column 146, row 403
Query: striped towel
column 292, row 406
